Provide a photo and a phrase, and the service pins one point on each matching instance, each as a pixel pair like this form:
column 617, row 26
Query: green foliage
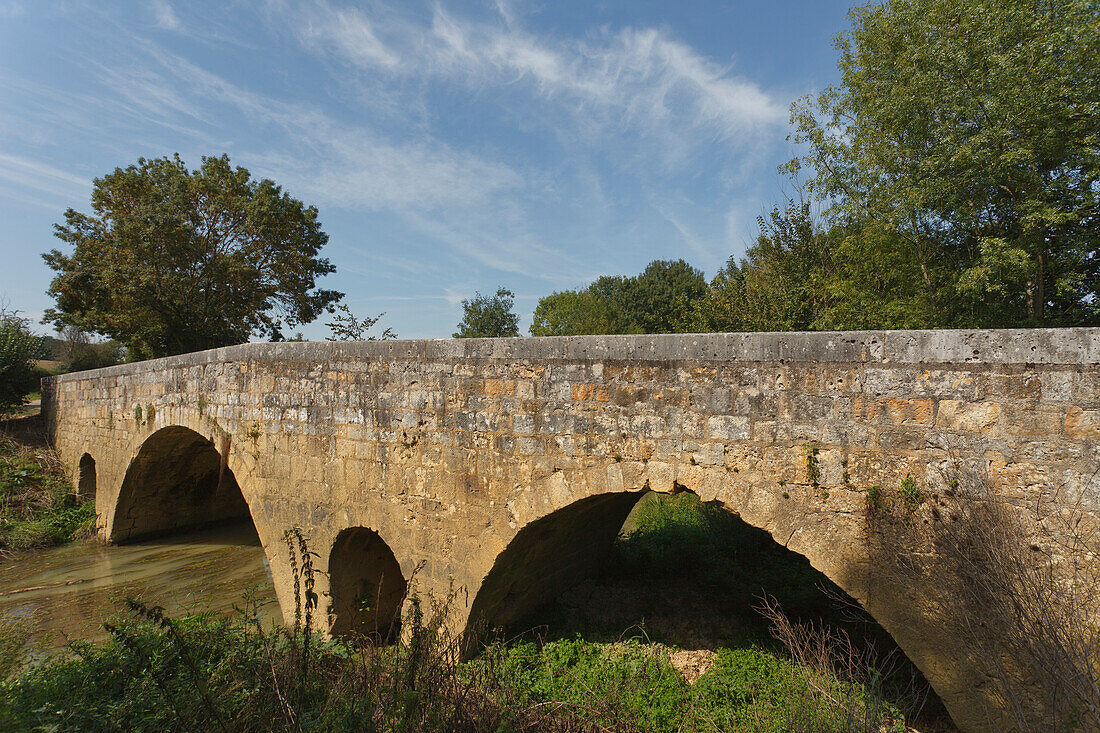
column 18, row 349
column 571, row 313
column 875, row 501
column 910, row 495
column 346, row 327
column 37, row 504
column 663, row 295
column 489, row 316
column 680, row 537
column 800, row 275
column 76, row 351
column 660, row 299
column 607, row 685
column 173, row 260
column 813, row 467
column 961, row 151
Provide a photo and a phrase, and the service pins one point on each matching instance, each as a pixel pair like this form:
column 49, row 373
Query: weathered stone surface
column 502, row 468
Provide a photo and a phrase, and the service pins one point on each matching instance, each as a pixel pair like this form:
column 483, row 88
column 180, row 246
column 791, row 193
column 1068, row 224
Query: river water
column 67, row 592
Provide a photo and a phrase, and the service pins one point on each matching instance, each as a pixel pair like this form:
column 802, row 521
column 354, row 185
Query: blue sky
column 450, row 147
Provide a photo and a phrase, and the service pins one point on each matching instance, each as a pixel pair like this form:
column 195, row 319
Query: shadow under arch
column 85, row 478
column 176, row 482
column 547, row 557
column 577, row 543
column 366, row 585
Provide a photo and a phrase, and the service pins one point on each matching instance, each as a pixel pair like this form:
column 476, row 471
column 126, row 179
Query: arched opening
column 548, row 557
column 678, row 572
column 178, row 481
column 366, row 585
column 85, row 480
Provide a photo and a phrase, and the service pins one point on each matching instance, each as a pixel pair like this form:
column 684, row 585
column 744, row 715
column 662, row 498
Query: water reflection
column 68, row 591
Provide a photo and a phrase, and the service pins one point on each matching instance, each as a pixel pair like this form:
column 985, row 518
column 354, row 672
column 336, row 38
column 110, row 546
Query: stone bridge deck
column 504, row 468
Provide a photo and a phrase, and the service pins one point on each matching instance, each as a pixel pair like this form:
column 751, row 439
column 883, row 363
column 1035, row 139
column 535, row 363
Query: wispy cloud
column 348, row 33
column 40, row 177
column 165, row 16
column 640, row 78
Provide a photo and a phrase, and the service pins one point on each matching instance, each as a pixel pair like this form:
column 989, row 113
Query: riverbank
column 38, row 506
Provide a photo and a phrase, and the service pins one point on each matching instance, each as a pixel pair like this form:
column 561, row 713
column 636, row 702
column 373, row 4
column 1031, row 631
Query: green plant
column 137, row 414
column 346, row 327
column 813, row 468
column 37, row 505
column 910, row 495
column 874, row 500
column 18, row 348
column 150, row 414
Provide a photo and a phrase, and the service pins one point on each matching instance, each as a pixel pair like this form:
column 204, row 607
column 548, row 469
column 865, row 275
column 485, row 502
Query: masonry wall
column 449, row 449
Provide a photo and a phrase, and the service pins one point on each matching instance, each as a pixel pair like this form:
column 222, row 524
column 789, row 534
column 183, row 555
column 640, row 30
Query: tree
column 663, row 296
column 18, row 349
column 967, row 133
column 346, row 327
column 661, row 299
column 571, row 313
column 173, row 260
column 488, row 317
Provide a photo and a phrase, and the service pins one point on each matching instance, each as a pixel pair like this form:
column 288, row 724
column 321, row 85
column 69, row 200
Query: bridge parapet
column 506, row 466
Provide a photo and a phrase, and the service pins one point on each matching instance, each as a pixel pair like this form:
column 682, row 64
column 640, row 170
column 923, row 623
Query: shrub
column 18, row 349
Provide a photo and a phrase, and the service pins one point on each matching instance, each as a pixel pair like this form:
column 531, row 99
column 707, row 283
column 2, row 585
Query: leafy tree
column 570, row 313
column 489, row 316
column 801, row 276
column 659, row 300
column 964, row 142
column 173, row 260
column 617, row 293
column 663, row 296
column 18, row 349
column 346, row 327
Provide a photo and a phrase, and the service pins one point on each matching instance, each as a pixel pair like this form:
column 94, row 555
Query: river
column 67, row 592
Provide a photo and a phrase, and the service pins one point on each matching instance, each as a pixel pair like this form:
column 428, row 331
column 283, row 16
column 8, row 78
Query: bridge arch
column 177, row 481
column 573, row 543
column 366, row 585
column 547, row 557
column 86, row 478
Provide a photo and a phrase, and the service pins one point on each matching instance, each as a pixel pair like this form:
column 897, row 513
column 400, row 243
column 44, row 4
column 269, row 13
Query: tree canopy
column 18, row 349
column 661, row 299
column 963, row 145
column 173, row 260
column 486, row 316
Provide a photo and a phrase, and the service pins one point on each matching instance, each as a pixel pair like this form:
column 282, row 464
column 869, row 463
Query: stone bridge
column 504, row 468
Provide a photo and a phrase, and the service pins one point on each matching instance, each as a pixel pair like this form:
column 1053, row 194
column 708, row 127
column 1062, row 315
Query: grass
column 229, row 673
column 37, row 505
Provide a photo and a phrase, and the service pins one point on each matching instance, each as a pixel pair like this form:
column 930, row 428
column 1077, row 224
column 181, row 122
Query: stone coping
column 1055, row 346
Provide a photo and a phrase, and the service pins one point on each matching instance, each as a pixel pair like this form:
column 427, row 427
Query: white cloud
column 638, row 78
column 350, row 33
column 166, row 17
column 42, row 178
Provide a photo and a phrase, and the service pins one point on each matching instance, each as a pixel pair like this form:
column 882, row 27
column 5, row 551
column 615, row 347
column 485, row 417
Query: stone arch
column 85, row 478
column 548, row 556
column 572, row 543
column 366, row 585
column 177, row 481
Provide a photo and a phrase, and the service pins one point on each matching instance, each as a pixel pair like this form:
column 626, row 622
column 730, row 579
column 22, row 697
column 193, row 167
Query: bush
column 18, row 348
column 37, row 505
